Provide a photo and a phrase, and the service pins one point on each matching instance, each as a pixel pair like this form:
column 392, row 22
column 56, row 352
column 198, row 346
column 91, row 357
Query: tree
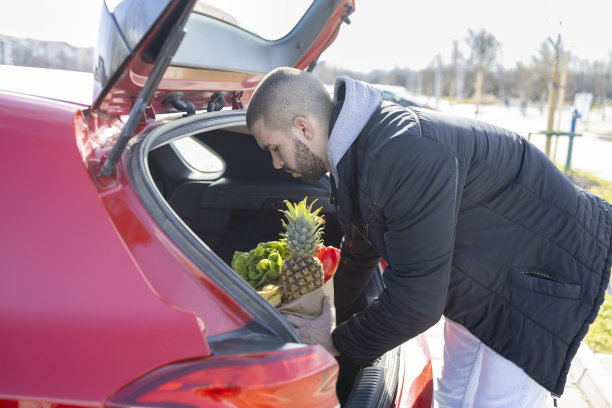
column 541, row 66
column 484, row 47
column 554, row 89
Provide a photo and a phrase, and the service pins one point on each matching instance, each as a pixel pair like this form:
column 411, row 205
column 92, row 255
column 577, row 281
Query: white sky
column 384, row 33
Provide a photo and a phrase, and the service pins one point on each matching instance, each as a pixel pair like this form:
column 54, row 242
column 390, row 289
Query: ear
column 303, row 125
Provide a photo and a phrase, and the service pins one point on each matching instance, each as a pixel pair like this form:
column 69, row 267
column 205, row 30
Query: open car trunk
column 231, row 204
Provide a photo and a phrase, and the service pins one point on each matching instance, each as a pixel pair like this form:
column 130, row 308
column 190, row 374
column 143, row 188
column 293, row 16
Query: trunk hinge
column 236, row 102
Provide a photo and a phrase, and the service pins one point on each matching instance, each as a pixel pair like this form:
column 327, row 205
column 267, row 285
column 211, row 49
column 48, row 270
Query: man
column 474, row 223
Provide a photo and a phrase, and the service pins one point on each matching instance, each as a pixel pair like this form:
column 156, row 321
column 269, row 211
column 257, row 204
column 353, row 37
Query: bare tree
column 541, row 66
column 606, row 87
column 484, row 47
column 553, row 92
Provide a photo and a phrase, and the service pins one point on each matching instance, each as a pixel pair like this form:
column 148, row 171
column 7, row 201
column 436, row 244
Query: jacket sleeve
column 413, row 182
column 357, row 264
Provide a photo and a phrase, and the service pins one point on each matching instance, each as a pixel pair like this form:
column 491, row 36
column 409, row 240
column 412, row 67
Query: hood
column 217, row 62
column 360, row 100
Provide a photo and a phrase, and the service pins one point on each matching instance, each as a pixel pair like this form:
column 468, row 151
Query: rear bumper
column 402, row 377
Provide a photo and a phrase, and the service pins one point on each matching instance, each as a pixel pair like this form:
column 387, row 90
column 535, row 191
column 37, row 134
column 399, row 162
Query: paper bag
column 310, row 305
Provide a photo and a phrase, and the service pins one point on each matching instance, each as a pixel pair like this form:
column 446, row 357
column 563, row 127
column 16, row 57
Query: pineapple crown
column 303, row 228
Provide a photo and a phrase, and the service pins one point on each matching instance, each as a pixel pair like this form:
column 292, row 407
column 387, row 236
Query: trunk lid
column 217, row 58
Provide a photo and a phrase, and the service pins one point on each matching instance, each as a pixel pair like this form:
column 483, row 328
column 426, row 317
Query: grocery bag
column 310, row 305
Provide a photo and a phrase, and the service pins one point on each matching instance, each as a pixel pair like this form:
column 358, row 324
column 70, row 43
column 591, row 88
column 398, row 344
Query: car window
column 269, row 19
column 198, row 156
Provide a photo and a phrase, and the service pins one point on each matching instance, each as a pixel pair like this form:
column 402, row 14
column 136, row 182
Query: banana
column 275, row 300
column 272, row 294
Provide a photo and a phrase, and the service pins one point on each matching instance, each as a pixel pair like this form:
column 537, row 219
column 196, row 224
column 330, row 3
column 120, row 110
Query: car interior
column 236, row 208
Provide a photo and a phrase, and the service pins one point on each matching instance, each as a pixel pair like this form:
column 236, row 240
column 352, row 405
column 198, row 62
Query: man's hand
column 318, row 330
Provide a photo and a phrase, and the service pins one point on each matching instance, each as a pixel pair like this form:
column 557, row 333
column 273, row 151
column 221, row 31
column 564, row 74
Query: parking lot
column 592, row 151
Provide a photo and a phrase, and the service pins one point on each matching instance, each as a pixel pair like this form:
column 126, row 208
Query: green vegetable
column 260, row 265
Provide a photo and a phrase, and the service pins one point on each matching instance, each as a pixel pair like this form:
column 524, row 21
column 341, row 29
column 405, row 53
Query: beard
column 310, row 167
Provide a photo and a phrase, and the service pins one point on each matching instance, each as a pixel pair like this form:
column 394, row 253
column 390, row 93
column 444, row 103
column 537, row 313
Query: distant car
column 119, row 220
column 403, row 101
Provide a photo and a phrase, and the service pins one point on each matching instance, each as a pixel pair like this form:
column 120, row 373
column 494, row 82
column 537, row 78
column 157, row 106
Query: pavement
column 589, row 384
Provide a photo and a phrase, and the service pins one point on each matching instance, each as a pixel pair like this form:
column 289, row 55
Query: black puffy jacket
column 477, row 224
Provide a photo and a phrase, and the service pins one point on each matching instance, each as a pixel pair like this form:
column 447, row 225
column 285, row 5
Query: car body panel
column 69, row 282
column 416, row 387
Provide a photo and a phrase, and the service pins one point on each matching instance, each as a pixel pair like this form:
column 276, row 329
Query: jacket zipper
column 541, row 275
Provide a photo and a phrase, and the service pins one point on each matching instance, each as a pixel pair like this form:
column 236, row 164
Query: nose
column 277, row 162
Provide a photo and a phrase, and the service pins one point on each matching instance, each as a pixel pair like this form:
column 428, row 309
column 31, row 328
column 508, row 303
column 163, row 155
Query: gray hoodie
column 361, row 100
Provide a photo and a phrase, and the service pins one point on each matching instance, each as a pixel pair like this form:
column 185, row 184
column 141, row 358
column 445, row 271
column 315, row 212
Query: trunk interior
column 235, row 206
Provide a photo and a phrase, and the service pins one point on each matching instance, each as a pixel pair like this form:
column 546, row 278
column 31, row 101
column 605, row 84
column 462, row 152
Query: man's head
column 289, row 115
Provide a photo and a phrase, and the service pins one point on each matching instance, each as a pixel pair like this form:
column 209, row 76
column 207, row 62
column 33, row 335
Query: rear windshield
column 269, row 19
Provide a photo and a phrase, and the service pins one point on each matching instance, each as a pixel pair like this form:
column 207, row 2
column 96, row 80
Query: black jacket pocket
column 543, row 282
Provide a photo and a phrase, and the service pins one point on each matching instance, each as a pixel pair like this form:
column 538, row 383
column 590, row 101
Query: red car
column 119, row 220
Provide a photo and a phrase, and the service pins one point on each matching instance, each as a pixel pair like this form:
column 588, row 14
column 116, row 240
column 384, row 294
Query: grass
column 599, row 337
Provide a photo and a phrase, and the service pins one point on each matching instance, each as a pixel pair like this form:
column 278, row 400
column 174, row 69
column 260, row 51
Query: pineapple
column 301, row 272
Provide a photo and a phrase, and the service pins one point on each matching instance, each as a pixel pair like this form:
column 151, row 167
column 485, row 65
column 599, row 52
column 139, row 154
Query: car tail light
column 301, row 377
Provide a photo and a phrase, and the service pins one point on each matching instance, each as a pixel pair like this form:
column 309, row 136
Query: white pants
column 473, row 375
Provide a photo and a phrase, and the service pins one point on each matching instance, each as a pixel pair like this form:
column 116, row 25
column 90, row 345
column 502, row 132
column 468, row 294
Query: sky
column 384, row 34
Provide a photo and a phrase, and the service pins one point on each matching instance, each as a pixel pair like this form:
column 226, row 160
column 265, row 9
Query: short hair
column 286, row 93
